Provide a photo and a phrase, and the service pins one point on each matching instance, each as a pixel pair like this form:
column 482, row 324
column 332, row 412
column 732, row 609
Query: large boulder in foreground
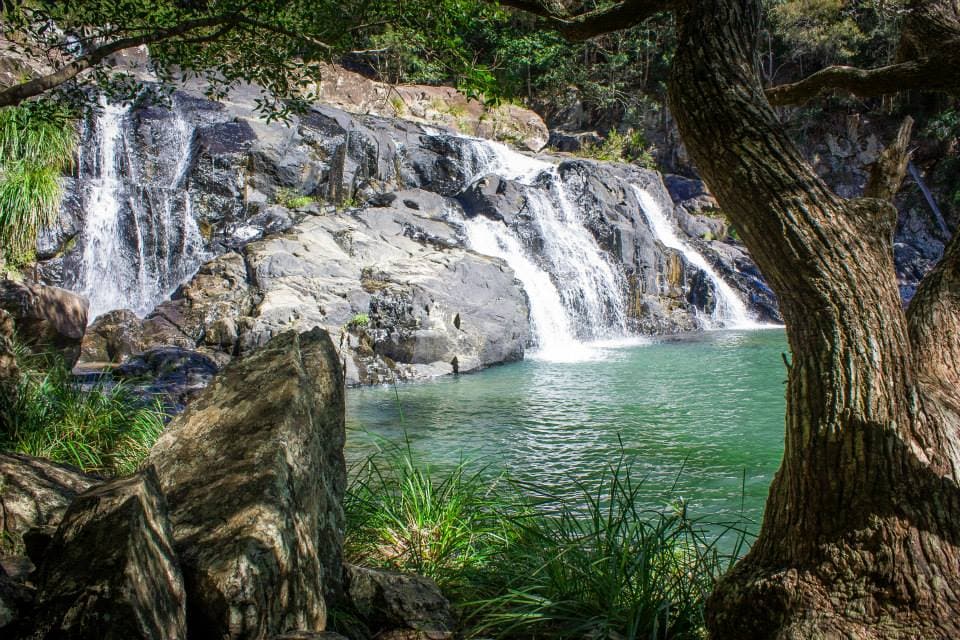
column 36, row 493
column 254, row 475
column 110, row 573
column 46, row 317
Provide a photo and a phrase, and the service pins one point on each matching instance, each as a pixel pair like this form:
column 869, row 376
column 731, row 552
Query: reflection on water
column 701, row 416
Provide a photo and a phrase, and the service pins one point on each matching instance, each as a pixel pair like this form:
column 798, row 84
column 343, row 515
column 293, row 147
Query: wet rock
column 309, row 635
column 46, row 318
column 408, row 606
column 171, row 372
column 110, row 571
column 255, row 484
column 35, row 492
column 693, row 195
column 113, row 337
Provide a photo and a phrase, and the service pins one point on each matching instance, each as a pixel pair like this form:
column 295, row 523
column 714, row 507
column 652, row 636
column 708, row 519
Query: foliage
column 520, row 563
column 618, row 147
column 292, row 199
column 36, row 146
column 359, row 321
column 101, row 428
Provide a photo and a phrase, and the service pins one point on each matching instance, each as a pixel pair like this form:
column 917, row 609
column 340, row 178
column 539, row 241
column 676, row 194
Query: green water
column 701, row 417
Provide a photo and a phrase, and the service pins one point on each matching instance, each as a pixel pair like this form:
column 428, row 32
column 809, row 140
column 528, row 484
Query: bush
column 520, row 563
column 291, row 199
column 101, row 429
column 359, row 321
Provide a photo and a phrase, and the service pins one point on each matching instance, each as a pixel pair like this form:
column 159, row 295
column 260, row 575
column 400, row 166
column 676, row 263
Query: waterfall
column 140, row 236
column 575, row 292
column 104, row 282
column 729, row 310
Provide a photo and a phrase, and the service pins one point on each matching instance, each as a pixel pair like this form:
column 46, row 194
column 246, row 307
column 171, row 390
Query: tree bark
column 862, row 526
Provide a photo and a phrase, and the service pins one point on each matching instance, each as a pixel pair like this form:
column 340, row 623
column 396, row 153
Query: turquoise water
column 700, row 416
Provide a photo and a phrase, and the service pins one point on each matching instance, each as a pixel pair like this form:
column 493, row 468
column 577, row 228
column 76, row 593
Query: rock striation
column 110, row 571
column 254, row 475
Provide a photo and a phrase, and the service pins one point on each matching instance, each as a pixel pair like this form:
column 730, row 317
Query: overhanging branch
column 594, row 23
column 18, row 93
column 938, row 73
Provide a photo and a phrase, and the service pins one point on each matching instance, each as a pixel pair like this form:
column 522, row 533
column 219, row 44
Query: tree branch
column 594, row 23
column 18, row 93
column 936, row 73
column 887, row 173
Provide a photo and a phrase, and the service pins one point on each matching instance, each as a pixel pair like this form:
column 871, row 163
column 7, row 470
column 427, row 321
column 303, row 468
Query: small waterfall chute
column 729, row 312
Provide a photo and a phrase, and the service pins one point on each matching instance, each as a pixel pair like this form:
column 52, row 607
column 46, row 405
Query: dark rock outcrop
column 254, row 475
column 113, row 337
column 46, row 318
column 109, row 572
column 394, row 603
column 35, row 492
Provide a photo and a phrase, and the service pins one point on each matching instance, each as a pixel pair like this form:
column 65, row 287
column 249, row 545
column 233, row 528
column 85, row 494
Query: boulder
column 110, row 571
column 436, row 106
column 309, row 635
column 46, row 318
column 407, row 605
column 35, row 492
column 171, row 372
column 113, row 337
column 254, row 475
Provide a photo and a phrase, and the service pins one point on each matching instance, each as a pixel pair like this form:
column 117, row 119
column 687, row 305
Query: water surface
column 701, row 417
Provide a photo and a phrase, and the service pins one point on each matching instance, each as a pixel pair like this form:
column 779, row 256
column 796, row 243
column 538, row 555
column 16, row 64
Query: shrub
column 291, row 199
column 101, row 429
column 359, row 321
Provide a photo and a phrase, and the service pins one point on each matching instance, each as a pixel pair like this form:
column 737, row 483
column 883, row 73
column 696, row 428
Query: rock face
column 110, row 571
column 360, row 225
column 437, row 106
column 46, row 317
column 35, row 492
column 255, row 481
column 392, row 602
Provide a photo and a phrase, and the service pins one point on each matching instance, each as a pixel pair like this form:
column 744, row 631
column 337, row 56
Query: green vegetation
column 292, row 199
column 521, row 564
column 36, row 146
column 622, row 147
column 359, row 321
column 100, row 429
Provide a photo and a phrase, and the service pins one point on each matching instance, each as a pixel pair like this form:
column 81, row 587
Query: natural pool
column 700, row 416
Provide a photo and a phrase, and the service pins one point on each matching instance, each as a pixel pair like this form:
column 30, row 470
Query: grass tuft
column 36, row 147
column 521, row 563
column 99, row 429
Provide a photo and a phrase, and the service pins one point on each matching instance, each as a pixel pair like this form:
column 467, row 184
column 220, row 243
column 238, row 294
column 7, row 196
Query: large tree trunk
column 861, row 532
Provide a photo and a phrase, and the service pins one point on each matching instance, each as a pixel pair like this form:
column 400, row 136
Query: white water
column 729, row 312
column 140, row 237
column 582, row 302
column 104, row 282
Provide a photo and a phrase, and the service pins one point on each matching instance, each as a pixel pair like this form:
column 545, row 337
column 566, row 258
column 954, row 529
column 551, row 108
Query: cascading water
column 104, row 282
column 140, row 237
column 729, row 311
column 575, row 293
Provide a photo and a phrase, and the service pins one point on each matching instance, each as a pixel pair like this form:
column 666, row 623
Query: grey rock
column 255, row 485
column 392, row 602
column 110, row 571
column 172, row 374
column 46, row 317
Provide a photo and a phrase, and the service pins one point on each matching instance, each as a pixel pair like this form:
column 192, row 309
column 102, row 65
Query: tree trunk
column 862, row 526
